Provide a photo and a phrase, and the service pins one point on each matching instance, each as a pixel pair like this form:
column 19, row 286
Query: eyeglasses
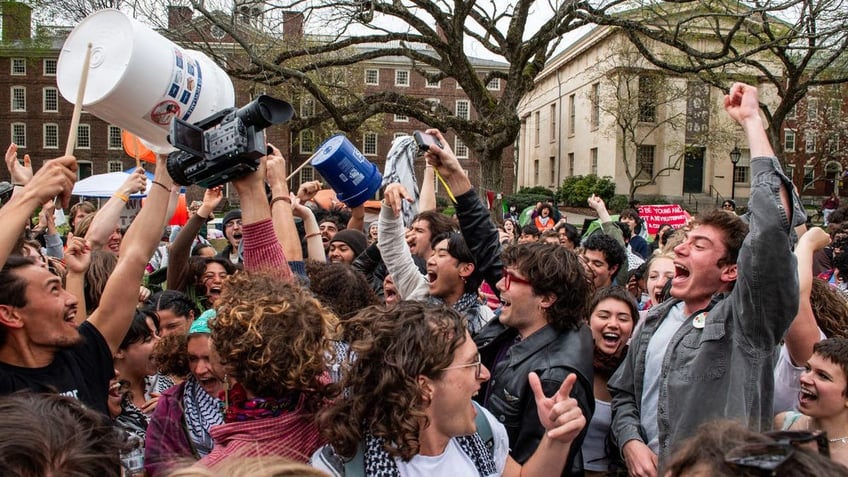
column 769, row 457
column 478, row 364
column 509, row 278
column 727, row 206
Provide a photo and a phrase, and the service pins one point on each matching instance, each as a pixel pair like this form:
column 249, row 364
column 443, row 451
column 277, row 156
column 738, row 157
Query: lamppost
column 735, row 155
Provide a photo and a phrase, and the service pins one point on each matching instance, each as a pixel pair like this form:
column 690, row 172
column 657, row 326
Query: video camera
column 226, row 145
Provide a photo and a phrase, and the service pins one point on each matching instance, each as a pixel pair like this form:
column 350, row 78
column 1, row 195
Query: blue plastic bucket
column 354, row 178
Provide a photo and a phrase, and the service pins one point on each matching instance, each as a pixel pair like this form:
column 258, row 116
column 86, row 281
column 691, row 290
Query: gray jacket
column 725, row 369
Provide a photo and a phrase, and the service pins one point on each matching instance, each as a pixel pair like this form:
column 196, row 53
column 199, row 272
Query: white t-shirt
column 787, row 381
column 452, row 461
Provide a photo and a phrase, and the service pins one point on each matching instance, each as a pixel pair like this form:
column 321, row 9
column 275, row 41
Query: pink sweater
column 262, row 250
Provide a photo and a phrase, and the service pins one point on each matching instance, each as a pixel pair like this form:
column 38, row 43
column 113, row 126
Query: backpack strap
column 356, row 467
column 484, row 429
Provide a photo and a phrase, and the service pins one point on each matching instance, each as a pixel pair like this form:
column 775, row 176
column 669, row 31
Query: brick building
column 38, row 118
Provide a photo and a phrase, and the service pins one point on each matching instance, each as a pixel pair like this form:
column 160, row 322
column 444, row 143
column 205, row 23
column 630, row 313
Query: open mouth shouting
column 806, row 396
column 681, row 274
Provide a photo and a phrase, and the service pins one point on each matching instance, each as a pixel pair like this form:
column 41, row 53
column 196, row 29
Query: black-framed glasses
column 767, row 458
column 477, row 372
column 727, row 206
column 509, row 278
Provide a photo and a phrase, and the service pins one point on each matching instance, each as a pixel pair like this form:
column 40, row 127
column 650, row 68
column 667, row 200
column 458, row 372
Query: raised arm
column 262, row 251
column 427, row 196
column 475, row 222
column 180, row 251
column 120, row 296
column 766, row 289
column 55, row 178
column 410, row 283
column 804, row 332
column 281, row 206
column 312, row 234
column 107, row 217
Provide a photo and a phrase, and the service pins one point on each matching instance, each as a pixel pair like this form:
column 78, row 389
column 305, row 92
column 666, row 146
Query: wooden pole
column 72, row 134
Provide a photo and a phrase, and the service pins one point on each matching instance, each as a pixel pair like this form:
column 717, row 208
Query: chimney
column 293, row 25
column 17, row 21
column 178, row 15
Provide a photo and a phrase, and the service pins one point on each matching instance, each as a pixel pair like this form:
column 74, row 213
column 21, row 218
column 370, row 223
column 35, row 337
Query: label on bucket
column 182, row 93
column 353, row 174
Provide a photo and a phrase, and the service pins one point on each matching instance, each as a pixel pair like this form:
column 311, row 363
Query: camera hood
column 265, row 111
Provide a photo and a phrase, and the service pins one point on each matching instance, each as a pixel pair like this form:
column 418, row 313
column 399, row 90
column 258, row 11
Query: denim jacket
column 723, row 369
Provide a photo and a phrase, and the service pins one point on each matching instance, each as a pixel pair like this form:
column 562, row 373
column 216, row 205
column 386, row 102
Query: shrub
column 576, row 190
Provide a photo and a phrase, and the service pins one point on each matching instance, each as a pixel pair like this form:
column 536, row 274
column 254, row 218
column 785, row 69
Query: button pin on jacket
column 700, row 320
column 509, row 397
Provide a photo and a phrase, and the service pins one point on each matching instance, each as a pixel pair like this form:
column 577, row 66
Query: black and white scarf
column 379, row 463
column 202, row 411
column 400, row 168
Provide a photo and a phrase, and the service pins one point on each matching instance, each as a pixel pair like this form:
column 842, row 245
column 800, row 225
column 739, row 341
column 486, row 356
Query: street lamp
column 735, row 155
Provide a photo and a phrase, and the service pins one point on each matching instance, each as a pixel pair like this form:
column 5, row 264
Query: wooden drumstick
column 72, row 134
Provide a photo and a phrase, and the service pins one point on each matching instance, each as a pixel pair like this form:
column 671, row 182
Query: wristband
column 123, row 197
column 277, row 199
column 162, row 186
column 313, row 234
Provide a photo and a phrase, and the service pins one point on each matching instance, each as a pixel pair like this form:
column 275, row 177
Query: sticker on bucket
column 353, row 174
column 184, row 89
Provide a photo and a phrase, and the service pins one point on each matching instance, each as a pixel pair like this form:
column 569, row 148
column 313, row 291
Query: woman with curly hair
column 273, row 339
column 409, row 411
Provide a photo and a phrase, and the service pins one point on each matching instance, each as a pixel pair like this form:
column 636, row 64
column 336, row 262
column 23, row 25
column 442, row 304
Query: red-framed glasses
column 509, row 278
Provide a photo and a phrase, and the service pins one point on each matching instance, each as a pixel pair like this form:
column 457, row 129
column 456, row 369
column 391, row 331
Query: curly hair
column 171, row 355
column 392, row 346
column 552, row 269
column 614, row 254
column 830, row 309
column 340, row 288
column 273, row 337
column 733, row 231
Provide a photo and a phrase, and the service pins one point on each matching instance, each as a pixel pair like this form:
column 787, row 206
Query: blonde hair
column 264, row 466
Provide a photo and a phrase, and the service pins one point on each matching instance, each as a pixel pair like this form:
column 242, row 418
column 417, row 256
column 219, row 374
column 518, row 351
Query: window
column 49, row 66
column 51, row 99
column 536, row 172
column 19, row 134
column 307, row 174
column 494, row 84
column 570, row 164
column 372, row 76
column 833, row 143
column 810, row 142
column 307, row 107
column 809, row 175
column 398, row 135
column 596, row 105
column 552, row 169
column 553, row 131
column 812, row 109
column 537, row 127
column 114, row 166
column 307, row 141
column 432, row 84
column 401, row 118
column 18, row 98
column 84, row 169
column 114, row 138
column 791, row 114
column 51, row 136
column 460, row 149
column 647, row 99
column 463, row 109
column 788, row 140
column 645, row 162
column 369, row 144
column 571, row 114
column 18, row 66
column 742, row 173
column 593, row 157
column 835, row 110
column 83, row 136
column 401, row 78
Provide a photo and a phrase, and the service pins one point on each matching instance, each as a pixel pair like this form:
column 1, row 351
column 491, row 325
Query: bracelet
column 15, row 184
column 123, row 197
column 313, row 234
column 277, row 199
column 162, row 186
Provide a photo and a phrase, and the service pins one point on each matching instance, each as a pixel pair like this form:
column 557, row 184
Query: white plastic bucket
column 139, row 80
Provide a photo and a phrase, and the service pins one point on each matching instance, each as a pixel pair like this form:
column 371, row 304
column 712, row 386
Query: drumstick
column 305, row 163
column 72, row 134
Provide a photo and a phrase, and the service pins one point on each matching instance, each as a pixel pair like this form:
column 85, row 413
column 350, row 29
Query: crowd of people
column 314, row 343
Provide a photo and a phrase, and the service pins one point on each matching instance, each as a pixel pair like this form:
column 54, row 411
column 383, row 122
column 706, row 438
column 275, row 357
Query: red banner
column 654, row 215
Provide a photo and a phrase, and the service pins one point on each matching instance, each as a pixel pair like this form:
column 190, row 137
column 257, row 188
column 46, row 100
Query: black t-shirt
column 82, row 372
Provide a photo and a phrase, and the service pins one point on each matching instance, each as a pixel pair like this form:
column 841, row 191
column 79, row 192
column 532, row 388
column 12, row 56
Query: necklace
column 843, row 440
